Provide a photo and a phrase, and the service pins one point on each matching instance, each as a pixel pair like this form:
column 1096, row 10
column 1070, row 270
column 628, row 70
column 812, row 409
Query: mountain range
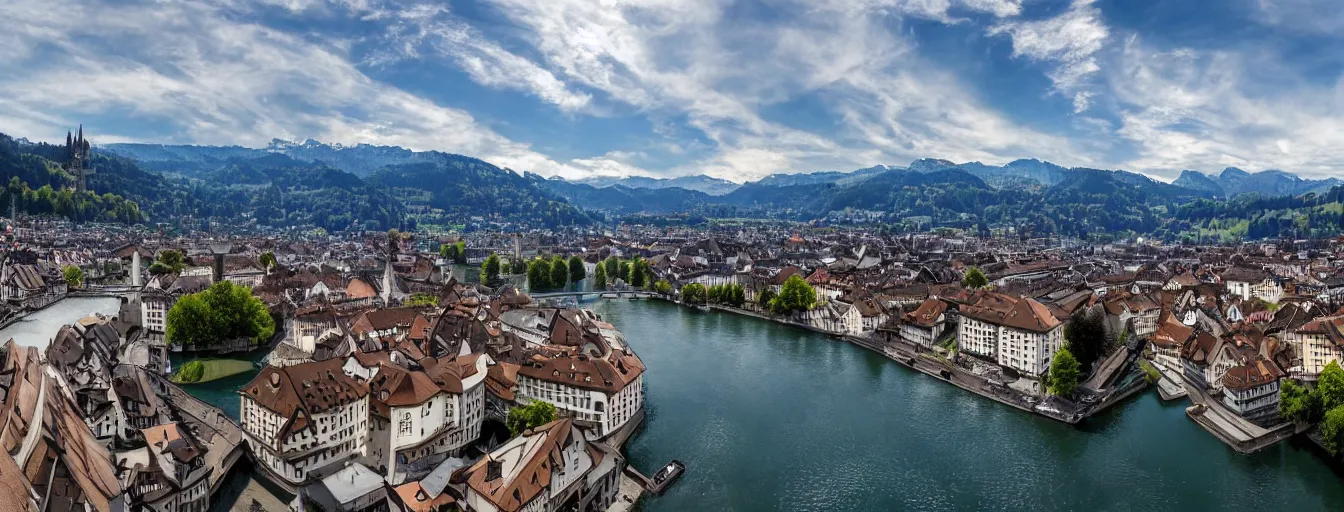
column 1233, row 182
column 376, row 187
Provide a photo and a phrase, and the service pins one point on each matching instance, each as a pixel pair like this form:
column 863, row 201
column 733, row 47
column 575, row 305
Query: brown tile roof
column 927, row 314
column 1172, row 334
column 310, row 388
column 511, row 494
column 1015, row 312
column 1256, row 372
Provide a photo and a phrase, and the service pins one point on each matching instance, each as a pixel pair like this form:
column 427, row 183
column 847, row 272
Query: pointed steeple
column 81, row 134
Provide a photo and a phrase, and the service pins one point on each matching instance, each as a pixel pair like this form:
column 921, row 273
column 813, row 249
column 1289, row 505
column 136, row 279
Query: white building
column 549, row 468
column 925, row 324
column 1018, row 333
column 421, row 417
column 1252, row 391
column 305, row 421
column 1318, row 343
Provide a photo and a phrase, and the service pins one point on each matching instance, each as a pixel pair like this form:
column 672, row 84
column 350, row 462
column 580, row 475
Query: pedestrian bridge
column 597, row 295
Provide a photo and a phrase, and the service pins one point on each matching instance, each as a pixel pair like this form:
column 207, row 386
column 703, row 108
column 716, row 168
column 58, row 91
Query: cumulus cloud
column 1205, row 110
column 1068, row 41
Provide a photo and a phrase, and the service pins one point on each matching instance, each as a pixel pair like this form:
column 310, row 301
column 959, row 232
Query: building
column 305, row 421
column 421, row 417
column 925, row 324
column 549, row 468
column 355, row 488
column 169, row 473
column 1250, row 283
column 1317, row 343
column 1136, row 312
column 1017, row 333
column 1166, row 343
column 1252, row 391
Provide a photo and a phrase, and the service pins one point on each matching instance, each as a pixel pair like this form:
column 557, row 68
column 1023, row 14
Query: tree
column 1063, row 373
column 222, row 312
column 613, row 267
column 974, row 279
column 623, row 270
column 74, row 277
column 535, row 414
column 191, row 371
column 559, row 272
column 539, row 274
column 662, row 286
column 1297, row 403
column 1086, row 338
column 490, row 270
column 693, row 293
column 448, row 251
column 158, row 268
column 796, row 295
column 460, row 252
column 267, row 260
column 638, row 272
column 576, row 271
column 173, row 260
column 715, row 293
column 1332, row 430
column 422, row 299
column 600, row 277
column 1331, row 386
column 766, row 297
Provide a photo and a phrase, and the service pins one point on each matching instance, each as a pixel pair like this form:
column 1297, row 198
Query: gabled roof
column 522, row 476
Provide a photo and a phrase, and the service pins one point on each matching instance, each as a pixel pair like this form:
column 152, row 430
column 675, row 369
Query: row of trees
column 728, row 294
column 553, row 274
column 636, row 272
column 1325, row 405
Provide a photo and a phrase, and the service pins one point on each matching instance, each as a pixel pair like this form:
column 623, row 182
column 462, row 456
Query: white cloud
column 1205, row 110
column 221, row 82
column 1070, row 41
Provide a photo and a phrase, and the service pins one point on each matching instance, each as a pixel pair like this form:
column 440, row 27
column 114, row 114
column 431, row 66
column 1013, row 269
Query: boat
column 665, row 477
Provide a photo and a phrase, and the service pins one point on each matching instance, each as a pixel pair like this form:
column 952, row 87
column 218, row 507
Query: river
column 768, row 417
column 38, row 328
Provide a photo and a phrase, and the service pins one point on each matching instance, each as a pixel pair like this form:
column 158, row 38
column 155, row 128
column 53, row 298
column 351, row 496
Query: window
column 405, row 427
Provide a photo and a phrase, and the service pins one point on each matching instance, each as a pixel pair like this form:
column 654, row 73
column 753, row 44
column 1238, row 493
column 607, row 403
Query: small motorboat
column 666, row 476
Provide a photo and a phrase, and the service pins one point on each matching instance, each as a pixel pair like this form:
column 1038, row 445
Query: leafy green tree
column 613, row 267
column 267, row 260
column 576, row 271
column 1332, row 430
column 1064, row 373
column 559, row 272
column 1297, row 403
column 765, row 298
column 158, row 268
column 173, row 260
column 662, row 286
column 693, row 293
column 1331, row 386
column 490, row 270
column 222, row 312
column 422, row 299
column 539, row 274
column 715, row 293
column 460, row 252
column 639, row 273
column 535, row 414
column 74, row 277
column 974, row 279
column 623, row 270
column 448, row 251
column 600, row 277
column 796, row 295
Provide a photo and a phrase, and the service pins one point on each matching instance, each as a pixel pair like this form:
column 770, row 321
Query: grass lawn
column 218, row 369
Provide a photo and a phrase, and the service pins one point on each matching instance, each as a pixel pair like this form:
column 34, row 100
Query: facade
column 925, row 324
column 1252, row 391
column 549, row 468
column 1017, row 333
column 305, row 421
column 421, row 418
column 1317, row 343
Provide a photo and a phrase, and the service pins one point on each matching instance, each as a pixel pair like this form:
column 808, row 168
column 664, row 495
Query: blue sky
column 733, row 89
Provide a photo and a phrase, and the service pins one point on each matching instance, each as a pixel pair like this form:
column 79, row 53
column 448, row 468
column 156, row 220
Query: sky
column 664, row 88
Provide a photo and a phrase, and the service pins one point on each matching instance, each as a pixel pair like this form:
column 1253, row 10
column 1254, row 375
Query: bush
column 190, row 372
column 1063, row 373
column 535, row 414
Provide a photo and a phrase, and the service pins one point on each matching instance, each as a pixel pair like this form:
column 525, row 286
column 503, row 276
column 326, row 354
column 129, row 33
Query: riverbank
column 767, row 417
column 909, row 355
